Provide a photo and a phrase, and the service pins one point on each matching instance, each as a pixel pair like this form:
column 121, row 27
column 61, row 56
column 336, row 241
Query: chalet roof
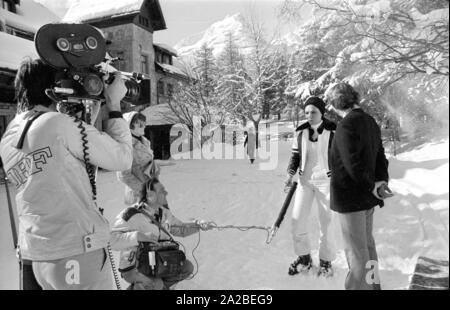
column 171, row 69
column 29, row 16
column 166, row 48
column 160, row 114
column 92, row 11
column 14, row 50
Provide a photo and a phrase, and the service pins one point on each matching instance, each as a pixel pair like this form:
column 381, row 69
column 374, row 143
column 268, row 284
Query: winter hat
column 128, row 117
column 317, row 102
column 131, row 117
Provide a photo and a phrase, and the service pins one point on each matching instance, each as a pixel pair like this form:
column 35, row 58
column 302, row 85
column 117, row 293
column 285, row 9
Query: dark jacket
column 295, row 161
column 357, row 162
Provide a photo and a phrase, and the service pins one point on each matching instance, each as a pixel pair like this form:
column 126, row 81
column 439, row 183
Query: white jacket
column 142, row 170
column 54, row 197
column 129, row 222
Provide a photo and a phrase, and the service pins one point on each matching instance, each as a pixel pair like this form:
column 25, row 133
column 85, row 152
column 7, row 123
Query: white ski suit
column 311, row 160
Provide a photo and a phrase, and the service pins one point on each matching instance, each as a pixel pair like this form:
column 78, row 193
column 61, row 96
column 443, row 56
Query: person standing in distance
column 250, row 144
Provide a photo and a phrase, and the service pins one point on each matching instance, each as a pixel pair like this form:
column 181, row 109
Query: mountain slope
column 216, row 36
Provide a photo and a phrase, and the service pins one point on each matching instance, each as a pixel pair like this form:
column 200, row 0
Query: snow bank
column 233, row 192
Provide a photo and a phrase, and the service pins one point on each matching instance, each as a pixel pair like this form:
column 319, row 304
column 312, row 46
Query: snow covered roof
column 88, row 10
column 166, row 48
column 171, row 69
column 30, row 16
column 160, row 114
column 14, row 50
column 84, row 10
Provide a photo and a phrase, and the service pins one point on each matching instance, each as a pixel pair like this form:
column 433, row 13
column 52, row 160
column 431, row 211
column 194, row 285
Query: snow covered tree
column 200, row 96
column 206, row 70
column 276, row 98
column 260, row 77
column 231, row 80
column 391, row 50
column 411, row 33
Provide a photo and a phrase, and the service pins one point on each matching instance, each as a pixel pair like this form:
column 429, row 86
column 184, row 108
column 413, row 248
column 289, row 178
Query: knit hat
column 128, row 117
column 317, row 102
column 133, row 116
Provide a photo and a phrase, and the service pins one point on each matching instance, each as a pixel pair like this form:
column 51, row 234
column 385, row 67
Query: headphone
column 152, row 196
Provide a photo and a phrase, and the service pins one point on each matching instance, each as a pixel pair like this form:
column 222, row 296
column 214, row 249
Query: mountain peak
column 215, row 36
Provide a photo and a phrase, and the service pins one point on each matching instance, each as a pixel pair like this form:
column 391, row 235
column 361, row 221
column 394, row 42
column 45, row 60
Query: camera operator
column 61, row 230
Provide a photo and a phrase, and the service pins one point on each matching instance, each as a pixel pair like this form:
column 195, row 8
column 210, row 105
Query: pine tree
column 230, row 83
column 200, row 95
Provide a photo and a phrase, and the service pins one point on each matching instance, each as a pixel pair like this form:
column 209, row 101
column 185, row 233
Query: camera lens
column 133, row 88
column 63, row 44
column 93, row 85
column 91, row 43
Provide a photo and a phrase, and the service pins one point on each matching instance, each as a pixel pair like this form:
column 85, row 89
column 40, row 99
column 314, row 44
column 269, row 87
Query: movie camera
column 78, row 53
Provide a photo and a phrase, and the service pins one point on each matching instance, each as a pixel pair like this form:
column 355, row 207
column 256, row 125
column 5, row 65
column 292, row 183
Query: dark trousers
column 27, row 277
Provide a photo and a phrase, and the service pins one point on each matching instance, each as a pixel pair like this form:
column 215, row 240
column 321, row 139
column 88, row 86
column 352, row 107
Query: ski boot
column 325, row 269
column 302, row 264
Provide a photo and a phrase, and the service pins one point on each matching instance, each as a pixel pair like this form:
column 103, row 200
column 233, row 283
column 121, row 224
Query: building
column 19, row 21
column 160, row 118
column 128, row 25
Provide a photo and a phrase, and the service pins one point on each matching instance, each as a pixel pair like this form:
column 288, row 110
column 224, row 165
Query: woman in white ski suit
column 310, row 153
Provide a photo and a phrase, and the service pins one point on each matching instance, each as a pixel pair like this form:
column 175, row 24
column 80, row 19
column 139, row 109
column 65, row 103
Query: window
column 161, row 88
column 6, row 5
column 144, row 64
column 167, row 59
column 170, row 90
column 159, row 57
column 143, row 21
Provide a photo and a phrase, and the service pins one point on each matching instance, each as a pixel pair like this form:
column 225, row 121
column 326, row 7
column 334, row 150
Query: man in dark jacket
column 359, row 175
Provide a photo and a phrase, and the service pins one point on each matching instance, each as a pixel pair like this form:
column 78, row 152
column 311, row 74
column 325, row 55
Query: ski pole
column 282, row 213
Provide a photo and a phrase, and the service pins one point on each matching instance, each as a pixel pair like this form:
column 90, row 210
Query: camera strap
column 30, row 121
column 155, row 221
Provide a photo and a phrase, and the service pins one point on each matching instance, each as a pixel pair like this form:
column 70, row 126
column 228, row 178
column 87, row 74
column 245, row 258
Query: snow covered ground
column 414, row 222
